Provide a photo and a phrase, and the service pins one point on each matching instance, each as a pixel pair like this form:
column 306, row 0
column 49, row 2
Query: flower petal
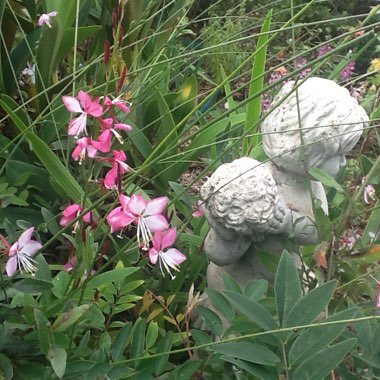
column 156, row 206
column 31, row 247
column 110, row 178
column 72, row 104
column 173, row 257
column 156, row 223
column 104, row 142
column 124, row 127
column 136, row 204
column 118, row 219
column 77, row 125
column 11, row 266
column 153, row 255
column 168, row 238
column 25, row 237
column 124, row 200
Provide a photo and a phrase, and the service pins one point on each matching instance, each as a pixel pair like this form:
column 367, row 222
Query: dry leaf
column 320, row 253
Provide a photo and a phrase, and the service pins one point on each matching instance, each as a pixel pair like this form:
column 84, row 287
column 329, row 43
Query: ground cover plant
column 112, row 114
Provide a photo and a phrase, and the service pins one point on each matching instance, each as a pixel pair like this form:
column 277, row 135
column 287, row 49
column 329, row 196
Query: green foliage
column 97, row 307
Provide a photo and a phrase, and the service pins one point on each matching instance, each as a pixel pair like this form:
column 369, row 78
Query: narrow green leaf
column 326, row 179
column 250, row 352
column 151, row 334
column 159, row 364
column 221, row 303
column 138, row 339
column 110, row 276
column 252, row 310
column 186, row 370
column 230, row 283
column 200, row 337
column 287, row 286
column 256, row 289
column 50, row 161
column 57, row 357
column 318, row 366
column 43, row 330
column 316, row 338
column 32, row 285
column 121, row 342
column 256, row 86
column 259, row 371
column 213, row 321
column 68, row 318
column 6, row 367
column 311, row 305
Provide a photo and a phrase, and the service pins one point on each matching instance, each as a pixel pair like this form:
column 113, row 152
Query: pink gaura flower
column 378, row 295
column 45, row 19
column 119, row 218
column 20, row 254
column 199, row 210
column 122, row 104
column 119, row 167
column 109, row 128
column 69, row 266
column 90, row 107
column 84, row 146
column 147, row 215
column 71, row 212
column 369, row 194
column 169, row 259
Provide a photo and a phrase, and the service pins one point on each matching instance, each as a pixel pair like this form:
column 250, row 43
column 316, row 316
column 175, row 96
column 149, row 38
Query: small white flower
column 45, row 19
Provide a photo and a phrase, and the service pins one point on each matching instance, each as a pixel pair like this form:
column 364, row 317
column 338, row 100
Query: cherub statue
column 255, row 206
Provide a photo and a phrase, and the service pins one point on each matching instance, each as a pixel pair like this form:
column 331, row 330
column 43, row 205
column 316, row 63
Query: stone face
column 253, row 206
column 311, row 124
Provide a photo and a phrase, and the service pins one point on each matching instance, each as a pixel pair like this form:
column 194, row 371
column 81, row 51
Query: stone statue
column 253, row 206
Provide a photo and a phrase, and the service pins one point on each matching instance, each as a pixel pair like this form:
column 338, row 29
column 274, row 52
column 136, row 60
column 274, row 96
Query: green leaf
column 262, row 373
column 57, row 357
column 43, row 330
column 252, row 310
column 221, row 303
column 138, row 339
column 50, row 161
column 61, row 284
column 326, row 179
column 32, row 285
column 230, row 283
column 250, row 352
column 159, row 364
column 287, row 286
column 213, row 321
column 256, row 289
column 121, row 342
column 110, row 276
column 67, row 319
column 318, row 366
column 314, row 339
column 186, row 370
column 151, row 334
column 256, row 86
column 311, row 305
column 200, row 337
column 6, row 367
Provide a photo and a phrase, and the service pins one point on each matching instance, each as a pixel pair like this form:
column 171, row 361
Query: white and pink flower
column 168, row 259
column 21, row 252
column 90, row 107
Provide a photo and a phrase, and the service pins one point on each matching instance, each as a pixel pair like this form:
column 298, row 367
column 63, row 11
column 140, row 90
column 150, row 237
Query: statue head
column 313, row 126
column 241, row 197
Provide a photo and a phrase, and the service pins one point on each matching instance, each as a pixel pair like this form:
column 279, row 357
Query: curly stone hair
column 242, row 197
column 319, row 121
